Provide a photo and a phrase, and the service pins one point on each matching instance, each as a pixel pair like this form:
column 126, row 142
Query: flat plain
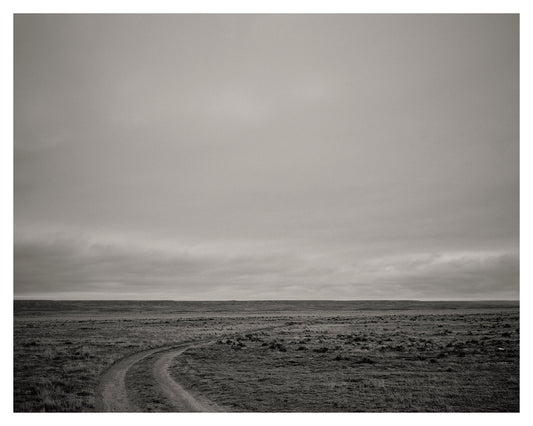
column 275, row 356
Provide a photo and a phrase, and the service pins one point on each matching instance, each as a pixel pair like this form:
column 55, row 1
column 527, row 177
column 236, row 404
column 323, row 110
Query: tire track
column 111, row 394
column 111, row 391
column 179, row 398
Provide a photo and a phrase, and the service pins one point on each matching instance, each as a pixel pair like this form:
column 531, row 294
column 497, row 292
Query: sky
column 248, row 157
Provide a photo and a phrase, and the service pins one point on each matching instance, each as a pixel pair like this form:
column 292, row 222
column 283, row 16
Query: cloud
column 475, row 274
column 65, row 266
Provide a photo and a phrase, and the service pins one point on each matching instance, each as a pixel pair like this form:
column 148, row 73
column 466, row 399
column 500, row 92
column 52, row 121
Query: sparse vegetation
column 61, row 348
column 358, row 364
column 318, row 359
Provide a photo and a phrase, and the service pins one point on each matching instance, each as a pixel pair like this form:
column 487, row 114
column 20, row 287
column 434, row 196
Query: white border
column 251, row 6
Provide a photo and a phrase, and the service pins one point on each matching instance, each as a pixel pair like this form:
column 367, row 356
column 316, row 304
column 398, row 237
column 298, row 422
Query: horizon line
column 265, row 300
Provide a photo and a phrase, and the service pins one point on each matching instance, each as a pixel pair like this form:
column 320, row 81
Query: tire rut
column 112, row 394
column 178, row 397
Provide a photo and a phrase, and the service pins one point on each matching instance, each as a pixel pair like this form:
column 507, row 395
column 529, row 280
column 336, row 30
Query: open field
column 266, row 356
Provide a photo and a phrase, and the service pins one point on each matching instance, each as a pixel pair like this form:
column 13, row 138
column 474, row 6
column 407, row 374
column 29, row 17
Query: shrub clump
column 340, row 357
column 365, row 360
column 277, row 346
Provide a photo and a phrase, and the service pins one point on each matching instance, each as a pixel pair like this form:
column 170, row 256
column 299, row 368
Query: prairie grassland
column 59, row 355
column 325, row 356
column 460, row 362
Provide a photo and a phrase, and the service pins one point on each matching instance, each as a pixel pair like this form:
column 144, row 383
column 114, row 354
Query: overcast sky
column 266, row 157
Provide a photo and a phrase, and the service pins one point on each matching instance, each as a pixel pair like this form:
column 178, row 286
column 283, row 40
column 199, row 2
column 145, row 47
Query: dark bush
column 277, row 346
column 340, row 357
column 365, row 360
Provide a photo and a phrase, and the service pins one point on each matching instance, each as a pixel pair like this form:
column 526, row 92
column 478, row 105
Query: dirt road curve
column 111, row 393
column 179, row 398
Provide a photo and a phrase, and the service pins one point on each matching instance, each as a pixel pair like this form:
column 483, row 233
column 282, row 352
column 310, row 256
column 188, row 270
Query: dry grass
column 455, row 362
column 327, row 358
column 58, row 357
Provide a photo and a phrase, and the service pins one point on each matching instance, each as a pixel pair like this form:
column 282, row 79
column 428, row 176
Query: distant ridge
column 25, row 307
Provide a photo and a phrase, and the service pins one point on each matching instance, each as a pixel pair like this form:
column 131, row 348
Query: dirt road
column 112, row 395
column 177, row 396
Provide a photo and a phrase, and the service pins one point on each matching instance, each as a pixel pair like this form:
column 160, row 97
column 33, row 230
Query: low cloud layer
column 61, row 267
